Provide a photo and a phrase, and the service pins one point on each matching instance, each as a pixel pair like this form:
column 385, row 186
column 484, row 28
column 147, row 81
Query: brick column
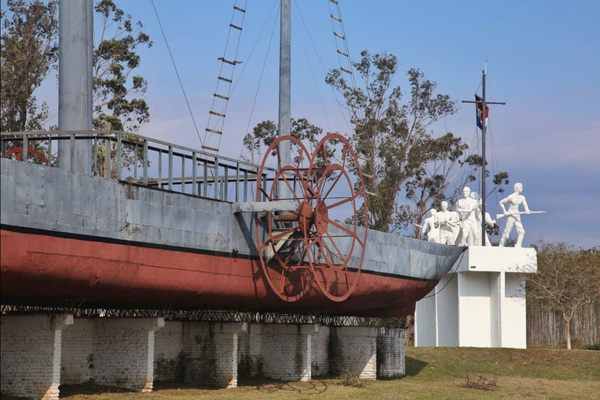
column 31, row 355
column 353, row 349
column 390, row 353
column 286, row 351
column 123, row 352
column 211, row 353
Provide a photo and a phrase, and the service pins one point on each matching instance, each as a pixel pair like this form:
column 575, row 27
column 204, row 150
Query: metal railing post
column 205, row 178
column 135, row 162
column 194, row 174
column 170, row 167
column 182, row 173
column 245, row 185
column 226, row 183
column 145, row 162
column 25, row 147
column 119, row 155
column 216, row 178
column 159, row 180
column 49, row 150
column 237, row 182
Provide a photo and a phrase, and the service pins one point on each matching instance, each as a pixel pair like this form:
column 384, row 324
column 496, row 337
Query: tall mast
column 483, row 103
column 75, row 81
column 285, row 53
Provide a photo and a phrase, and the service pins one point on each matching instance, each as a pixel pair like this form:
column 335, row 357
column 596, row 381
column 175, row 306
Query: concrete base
column 31, row 355
column 481, row 304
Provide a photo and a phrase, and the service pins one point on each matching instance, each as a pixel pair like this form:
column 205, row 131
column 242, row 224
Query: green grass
column 432, row 373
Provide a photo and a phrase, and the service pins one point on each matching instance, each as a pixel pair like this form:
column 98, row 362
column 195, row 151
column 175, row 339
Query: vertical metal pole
column 285, row 54
column 170, row 167
column 205, row 191
column 119, row 155
column 94, row 155
column 25, row 147
column 108, row 166
column 159, row 180
column 237, row 182
column 75, row 81
column 245, row 185
column 183, row 173
column 194, row 174
column 145, row 162
column 135, row 162
column 49, row 150
column 216, row 178
column 225, row 182
column 483, row 128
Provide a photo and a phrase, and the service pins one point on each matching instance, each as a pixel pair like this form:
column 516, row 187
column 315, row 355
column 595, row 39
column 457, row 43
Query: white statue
column 513, row 215
column 431, row 227
column 488, row 221
column 467, row 210
column 448, row 222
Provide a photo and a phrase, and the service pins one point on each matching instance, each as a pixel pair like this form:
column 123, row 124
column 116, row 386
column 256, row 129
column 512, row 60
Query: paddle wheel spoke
column 281, row 254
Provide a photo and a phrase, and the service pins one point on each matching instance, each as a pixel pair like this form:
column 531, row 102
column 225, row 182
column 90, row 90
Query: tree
column 265, row 133
column 397, row 142
column 29, row 50
column 567, row 279
column 115, row 59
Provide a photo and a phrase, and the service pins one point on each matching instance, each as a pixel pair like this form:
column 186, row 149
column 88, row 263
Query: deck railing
column 143, row 161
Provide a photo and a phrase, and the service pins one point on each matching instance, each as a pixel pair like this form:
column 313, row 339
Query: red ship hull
column 47, row 268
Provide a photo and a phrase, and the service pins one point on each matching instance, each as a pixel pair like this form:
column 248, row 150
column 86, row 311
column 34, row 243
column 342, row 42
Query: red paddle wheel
column 320, row 241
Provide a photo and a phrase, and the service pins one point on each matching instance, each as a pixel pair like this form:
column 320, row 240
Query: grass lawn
column 432, row 373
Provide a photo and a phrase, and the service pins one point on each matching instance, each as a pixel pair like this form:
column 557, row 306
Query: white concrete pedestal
column 481, row 303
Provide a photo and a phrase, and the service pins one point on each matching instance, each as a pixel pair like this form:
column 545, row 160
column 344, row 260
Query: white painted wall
column 481, row 303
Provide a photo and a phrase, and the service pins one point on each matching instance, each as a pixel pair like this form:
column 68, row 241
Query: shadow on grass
column 90, row 388
column 267, row 385
column 414, row 366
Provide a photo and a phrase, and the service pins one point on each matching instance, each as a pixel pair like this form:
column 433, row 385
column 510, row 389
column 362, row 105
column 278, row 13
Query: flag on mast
column 479, row 112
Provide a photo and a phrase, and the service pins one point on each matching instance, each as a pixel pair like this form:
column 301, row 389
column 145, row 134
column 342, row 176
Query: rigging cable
column 261, row 76
column 176, row 71
column 312, row 71
column 335, row 95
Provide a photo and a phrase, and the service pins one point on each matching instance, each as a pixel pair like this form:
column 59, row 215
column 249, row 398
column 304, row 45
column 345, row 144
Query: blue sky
column 543, row 61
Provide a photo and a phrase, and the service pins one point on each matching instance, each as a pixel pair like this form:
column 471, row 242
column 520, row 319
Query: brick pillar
column 390, row 353
column 353, row 349
column 286, row 351
column 123, row 352
column 211, row 353
column 250, row 362
column 31, row 355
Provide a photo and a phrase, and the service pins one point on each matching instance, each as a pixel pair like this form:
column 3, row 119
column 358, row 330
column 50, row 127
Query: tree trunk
column 568, row 330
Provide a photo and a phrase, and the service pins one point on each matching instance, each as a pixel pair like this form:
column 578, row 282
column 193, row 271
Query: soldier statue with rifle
column 513, row 215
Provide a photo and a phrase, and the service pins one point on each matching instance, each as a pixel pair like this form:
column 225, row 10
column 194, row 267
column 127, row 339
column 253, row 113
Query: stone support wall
column 286, row 351
column 391, row 353
column 250, row 361
column 320, row 352
column 353, row 349
column 31, row 355
column 202, row 353
column 111, row 352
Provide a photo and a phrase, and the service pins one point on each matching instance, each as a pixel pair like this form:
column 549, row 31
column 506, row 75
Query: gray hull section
column 41, row 198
